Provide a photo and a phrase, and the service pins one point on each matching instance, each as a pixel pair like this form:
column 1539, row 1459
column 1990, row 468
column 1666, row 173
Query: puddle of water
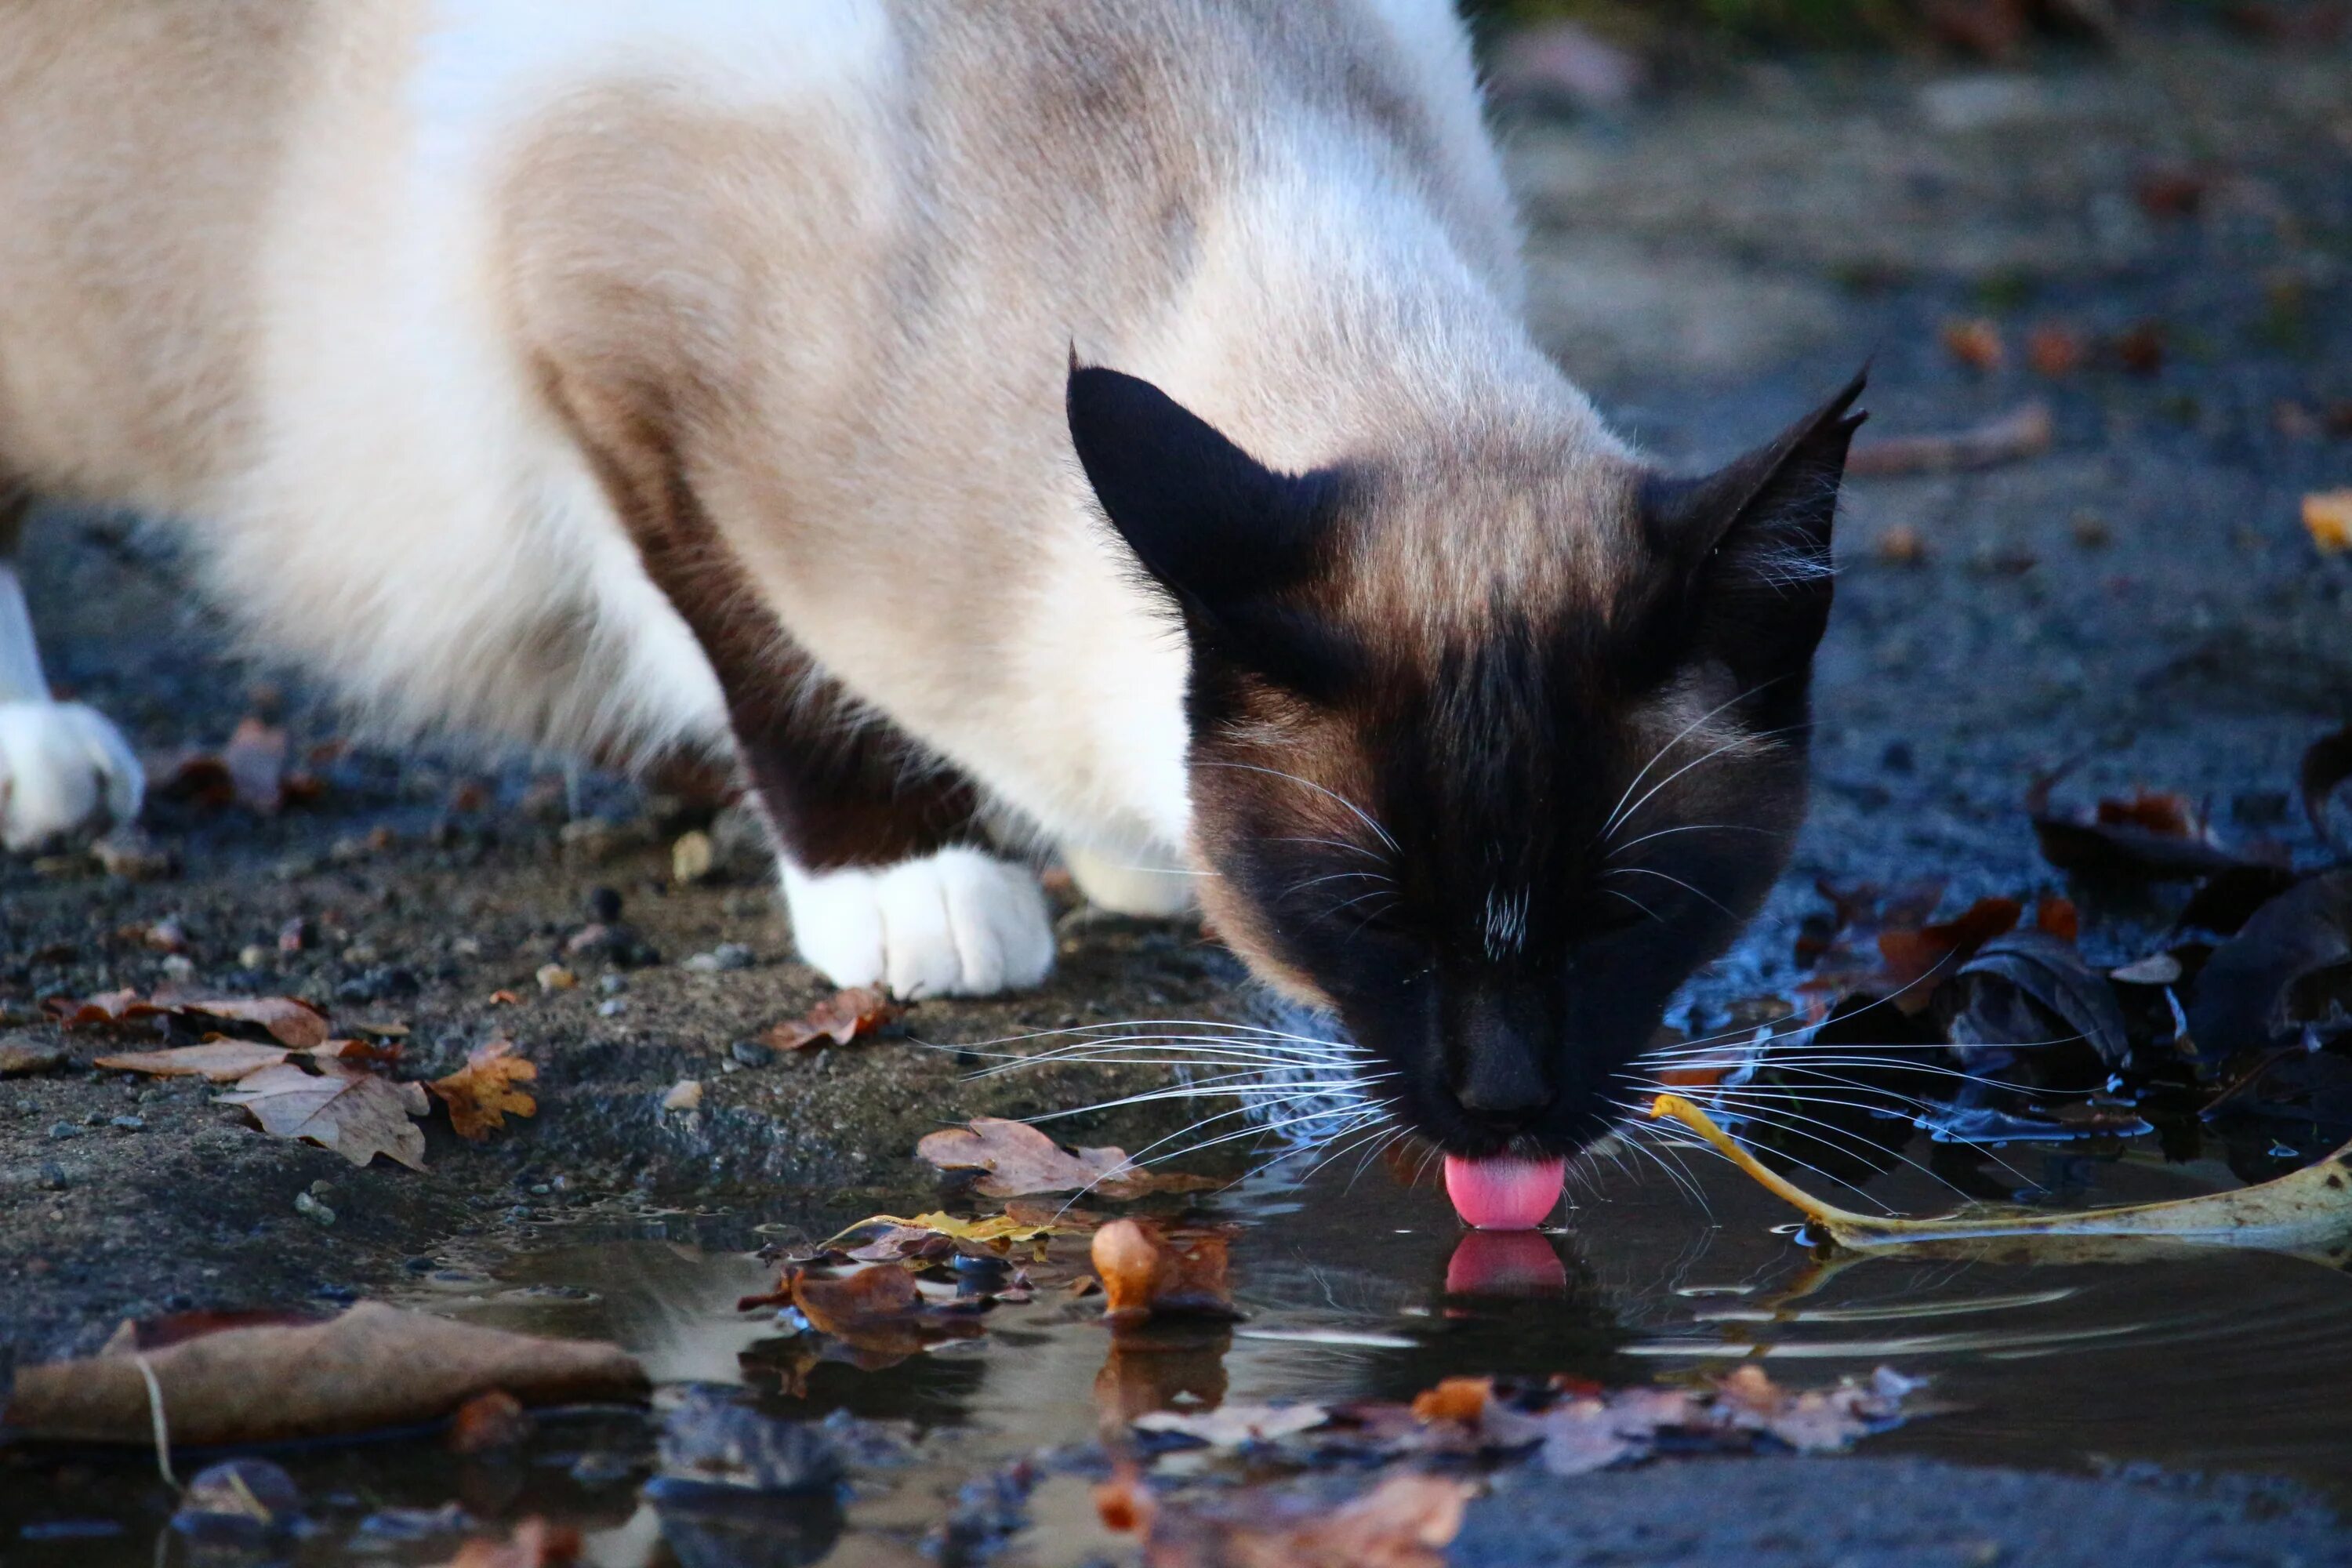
column 2189, row 1362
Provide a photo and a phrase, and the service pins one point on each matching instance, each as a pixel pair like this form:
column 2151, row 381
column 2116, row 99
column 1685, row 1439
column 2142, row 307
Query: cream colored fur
column 289, row 275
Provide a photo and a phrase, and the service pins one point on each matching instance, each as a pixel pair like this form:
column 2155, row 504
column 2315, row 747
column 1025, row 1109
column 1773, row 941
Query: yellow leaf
column 2328, row 518
column 2304, row 1211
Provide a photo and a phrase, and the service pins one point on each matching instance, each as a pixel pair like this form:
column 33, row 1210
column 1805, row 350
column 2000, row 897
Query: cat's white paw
column 63, row 768
column 957, row 924
column 1134, row 885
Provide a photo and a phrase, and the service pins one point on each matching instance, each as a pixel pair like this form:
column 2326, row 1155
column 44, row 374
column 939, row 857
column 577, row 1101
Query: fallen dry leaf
column 1914, row 955
column 2152, row 836
column 289, row 1020
column 1019, row 1159
column 1455, row 1399
column 256, row 760
column 534, row 1545
column 1976, row 342
column 898, row 1238
column 2327, row 518
column 2140, row 350
column 843, row 1016
column 2023, row 432
column 1406, row 1521
column 2054, row 351
column 356, row 1114
column 221, row 1061
column 2309, row 1210
column 1148, row 1271
column 483, row 1093
column 373, row 1367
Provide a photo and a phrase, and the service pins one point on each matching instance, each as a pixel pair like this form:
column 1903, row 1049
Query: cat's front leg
column 887, row 870
column 64, row 767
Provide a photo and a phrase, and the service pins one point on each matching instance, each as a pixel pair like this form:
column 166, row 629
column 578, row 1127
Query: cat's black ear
column 1752, row 543
column 1219, row 530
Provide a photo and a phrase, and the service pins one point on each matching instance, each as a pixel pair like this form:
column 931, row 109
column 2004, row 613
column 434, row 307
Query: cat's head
column 1492, row 745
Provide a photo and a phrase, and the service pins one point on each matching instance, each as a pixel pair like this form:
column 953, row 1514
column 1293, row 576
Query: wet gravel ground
column 2141, row 601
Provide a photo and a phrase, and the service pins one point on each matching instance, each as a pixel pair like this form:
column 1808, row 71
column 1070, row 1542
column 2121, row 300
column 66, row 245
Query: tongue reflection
column 1503, row 1194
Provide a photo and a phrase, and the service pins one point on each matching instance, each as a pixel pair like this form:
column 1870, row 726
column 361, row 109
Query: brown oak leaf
column 483, row 1093
column 843, row 1016
column 1018, row 1159
column 356, row 1114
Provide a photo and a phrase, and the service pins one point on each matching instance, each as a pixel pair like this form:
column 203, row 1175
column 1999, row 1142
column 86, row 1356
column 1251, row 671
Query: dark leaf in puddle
column 373, row 1367
column 2029, row 996
column 2292, row 965
column 2148, row 837
column 239, row 1503
column 713, row 1443
column 2326, row 767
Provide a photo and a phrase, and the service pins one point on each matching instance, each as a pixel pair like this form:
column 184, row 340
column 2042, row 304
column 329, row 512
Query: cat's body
column 634, row 378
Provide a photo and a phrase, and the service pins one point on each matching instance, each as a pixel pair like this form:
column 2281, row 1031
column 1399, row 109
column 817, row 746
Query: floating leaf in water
column 1406, row 1521
column 2307, row 1211
column 1147, row 1270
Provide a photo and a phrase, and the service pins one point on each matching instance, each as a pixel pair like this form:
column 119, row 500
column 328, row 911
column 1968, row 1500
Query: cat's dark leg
column 64, row 767
column 889, row 877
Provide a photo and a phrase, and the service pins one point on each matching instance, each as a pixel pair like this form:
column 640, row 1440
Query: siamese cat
column 1103, row 427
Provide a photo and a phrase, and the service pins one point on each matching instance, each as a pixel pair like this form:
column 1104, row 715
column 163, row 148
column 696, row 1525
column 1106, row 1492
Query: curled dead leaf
column 483, row 1093
column 1149, row 1271
column 2023, row 432
column 838, row 1019
column 370, row 1368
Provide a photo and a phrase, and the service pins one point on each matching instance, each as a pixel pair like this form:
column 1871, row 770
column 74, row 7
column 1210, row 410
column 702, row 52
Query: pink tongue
column 1503, row 1194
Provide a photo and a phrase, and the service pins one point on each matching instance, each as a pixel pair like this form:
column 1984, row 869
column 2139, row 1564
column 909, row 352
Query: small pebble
column 179, row 966
column 690, row 859
column 312, row 1209
column 612, row 985
column 253, row 955
column 751, row 1053
column 611, row 1007
column 324, row 1191
column 726, row 956
column 604, row 905
column 128, row 1123
column 54, row 1178
column 684, row 1095
column 555, row 977
column 68, row 1130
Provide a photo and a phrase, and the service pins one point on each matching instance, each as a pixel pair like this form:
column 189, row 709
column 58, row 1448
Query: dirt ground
column 2141, row 600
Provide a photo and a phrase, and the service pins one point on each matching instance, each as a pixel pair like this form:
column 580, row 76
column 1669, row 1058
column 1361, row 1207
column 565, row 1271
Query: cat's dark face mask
column 1492, row 819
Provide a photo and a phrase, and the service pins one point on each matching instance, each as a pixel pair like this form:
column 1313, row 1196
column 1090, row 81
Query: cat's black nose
column 1499, row 1068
